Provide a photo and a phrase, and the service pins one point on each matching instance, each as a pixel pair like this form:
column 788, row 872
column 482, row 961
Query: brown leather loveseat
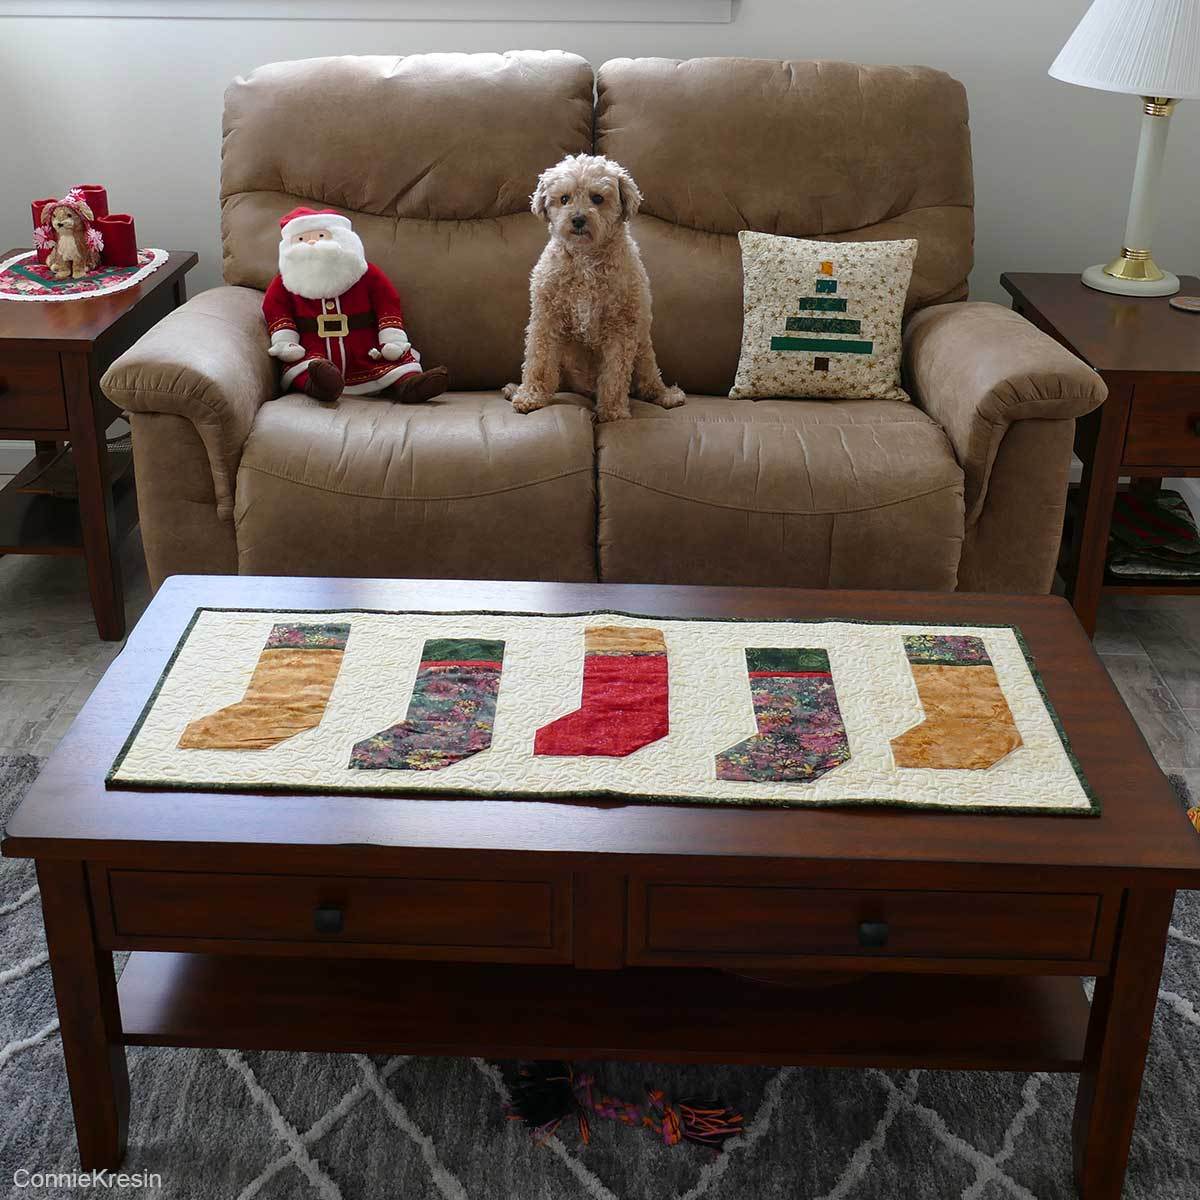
column 963, row 488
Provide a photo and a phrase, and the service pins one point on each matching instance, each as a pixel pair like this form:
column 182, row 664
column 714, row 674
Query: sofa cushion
column 799, row 493
column 435, row 169
column 461, row 487
column 835, row 151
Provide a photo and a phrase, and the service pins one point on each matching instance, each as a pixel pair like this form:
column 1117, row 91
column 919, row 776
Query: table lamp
column 1147, row 48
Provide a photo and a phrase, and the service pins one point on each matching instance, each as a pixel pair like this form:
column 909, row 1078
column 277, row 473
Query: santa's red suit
column 328, row 305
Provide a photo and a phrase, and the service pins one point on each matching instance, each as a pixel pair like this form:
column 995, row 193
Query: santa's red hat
column 300, row 220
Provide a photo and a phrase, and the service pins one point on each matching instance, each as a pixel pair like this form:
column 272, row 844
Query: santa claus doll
column 334, row 319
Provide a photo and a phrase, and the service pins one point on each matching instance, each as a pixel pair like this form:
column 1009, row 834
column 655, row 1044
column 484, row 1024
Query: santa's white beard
column 320, row 270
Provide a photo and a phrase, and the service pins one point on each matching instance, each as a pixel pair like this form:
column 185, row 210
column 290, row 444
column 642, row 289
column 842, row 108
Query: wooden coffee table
column 607, row 930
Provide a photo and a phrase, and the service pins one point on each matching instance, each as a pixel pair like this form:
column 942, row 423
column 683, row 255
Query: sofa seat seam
column 923, row 422
column 786, row 512
column 516, row 487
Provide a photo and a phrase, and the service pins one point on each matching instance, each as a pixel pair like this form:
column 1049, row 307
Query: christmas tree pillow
column 822, row 319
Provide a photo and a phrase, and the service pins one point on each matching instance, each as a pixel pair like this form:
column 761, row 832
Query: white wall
column 136, row 104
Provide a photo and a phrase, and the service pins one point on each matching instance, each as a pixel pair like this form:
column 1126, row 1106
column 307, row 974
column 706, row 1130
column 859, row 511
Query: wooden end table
column 1148, row 354
column 519, row 929
column 51, row 359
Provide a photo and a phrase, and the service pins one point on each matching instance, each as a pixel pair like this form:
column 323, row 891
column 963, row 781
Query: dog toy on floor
column 335, row 321
column 589, row 325
column 547, row 1093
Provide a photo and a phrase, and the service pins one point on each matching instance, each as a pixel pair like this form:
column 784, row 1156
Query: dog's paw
column 523, row 402
column 613, row 414
column 509, row 390
column 672, row 398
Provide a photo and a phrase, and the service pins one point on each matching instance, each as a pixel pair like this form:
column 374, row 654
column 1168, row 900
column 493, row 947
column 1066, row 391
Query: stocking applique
column 801, row 735
column 287, row 693
column 968, row 724
column 625, row 696
column 450, row 714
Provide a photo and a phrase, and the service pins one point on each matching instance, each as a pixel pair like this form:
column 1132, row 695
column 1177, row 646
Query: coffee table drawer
column 685, row 923
column 518, row 920
column 31, row 391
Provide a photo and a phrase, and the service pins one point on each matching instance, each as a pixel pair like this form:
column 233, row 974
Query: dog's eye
column 566, row 199
column 597, row 198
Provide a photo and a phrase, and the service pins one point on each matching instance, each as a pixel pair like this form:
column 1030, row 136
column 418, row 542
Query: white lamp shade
column 1143, row 47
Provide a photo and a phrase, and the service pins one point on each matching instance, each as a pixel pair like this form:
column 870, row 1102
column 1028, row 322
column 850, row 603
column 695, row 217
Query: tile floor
column 51, row 658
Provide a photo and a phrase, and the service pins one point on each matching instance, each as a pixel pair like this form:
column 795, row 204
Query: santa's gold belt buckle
column 333, row 325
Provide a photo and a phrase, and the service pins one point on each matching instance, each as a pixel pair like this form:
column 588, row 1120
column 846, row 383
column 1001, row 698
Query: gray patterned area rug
column 224, row 1124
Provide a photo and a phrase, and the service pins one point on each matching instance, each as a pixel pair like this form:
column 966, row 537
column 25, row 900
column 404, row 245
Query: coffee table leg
column 86, row 992
column 1117, row 1039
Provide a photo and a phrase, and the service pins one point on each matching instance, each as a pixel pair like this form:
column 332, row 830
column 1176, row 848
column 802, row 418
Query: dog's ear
column 85, row 210
column 631, row 197
column 539, row 202
column 48, row 212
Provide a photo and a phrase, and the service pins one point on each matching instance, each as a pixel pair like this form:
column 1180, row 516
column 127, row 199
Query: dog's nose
column 579, row 222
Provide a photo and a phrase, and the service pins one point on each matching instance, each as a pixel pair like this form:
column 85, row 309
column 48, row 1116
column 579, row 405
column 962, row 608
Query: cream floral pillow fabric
column 822, row 319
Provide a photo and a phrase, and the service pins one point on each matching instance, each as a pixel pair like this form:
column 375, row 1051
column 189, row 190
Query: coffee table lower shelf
column 1019, row 1023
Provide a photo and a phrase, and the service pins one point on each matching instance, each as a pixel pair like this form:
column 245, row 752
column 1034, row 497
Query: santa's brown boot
column 412, row 389
column 325, row 381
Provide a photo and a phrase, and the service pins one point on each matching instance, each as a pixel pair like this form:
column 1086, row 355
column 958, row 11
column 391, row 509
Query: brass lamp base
column 1134, row 273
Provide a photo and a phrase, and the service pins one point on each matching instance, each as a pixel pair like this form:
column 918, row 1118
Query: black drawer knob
column 328, row 920
column 873, row 934
column 1195, row 423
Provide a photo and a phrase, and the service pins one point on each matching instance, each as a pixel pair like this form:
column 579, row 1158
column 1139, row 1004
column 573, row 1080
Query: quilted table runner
column 605, row 705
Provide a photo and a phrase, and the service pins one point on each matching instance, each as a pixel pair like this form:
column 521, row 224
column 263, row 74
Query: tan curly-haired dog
column 589, row 325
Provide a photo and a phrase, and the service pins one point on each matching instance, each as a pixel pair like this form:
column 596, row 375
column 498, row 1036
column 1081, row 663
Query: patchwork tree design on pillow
column 822, row 301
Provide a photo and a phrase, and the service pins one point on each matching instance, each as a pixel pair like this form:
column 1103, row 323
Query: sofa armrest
column 975, row 368
column 207, row 361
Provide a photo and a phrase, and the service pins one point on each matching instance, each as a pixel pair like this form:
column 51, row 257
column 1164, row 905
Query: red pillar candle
column 96, row 198
column 120, row 240
column 37, row 207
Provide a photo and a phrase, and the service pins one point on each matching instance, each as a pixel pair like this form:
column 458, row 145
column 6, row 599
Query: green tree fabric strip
column 824, row 345
column 823, row 325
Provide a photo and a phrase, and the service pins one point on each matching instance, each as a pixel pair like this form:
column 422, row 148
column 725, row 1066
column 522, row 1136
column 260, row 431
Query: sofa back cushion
column 433, row 157
column 834, row 151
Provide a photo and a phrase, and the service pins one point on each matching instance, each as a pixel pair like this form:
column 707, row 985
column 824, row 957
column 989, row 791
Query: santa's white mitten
column 285, row 346
column 288, row 352
column 393, row 344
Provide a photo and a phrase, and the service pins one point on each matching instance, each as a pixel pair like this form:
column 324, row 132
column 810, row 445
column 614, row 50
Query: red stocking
column 625, row 696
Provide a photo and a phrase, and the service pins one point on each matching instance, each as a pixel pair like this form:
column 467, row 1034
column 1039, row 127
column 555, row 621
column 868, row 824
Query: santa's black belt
column 336, row 324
